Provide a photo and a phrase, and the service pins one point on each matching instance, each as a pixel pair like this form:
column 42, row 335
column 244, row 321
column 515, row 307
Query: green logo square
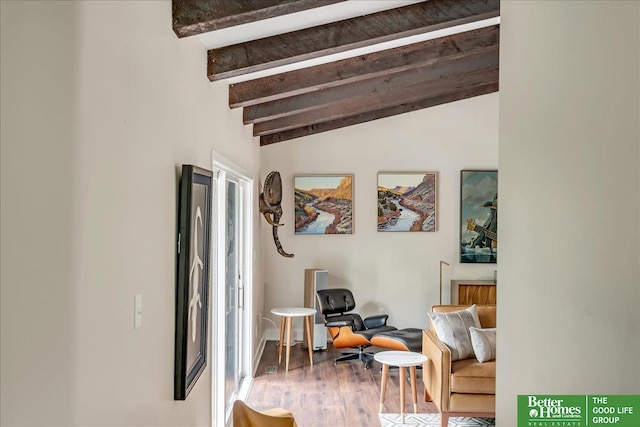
column 536, row 410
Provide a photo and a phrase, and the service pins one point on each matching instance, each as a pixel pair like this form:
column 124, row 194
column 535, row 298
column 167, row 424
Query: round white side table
column 288, row 313
column 401, row 359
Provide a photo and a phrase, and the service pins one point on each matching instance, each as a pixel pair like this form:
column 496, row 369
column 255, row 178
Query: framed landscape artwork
column 478, row 216
column 192, row 288
column 323, row 204
column 407, row 201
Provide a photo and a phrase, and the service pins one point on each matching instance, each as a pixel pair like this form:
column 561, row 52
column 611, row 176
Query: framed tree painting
column 407, row 201
column 192, row 287
column 323, row 204
column 478, row 216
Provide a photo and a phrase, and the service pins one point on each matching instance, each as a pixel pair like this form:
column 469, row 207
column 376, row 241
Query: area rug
column 432, row 420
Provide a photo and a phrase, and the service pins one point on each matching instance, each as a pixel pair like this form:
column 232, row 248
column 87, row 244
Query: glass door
column 234, row 296
column 232, row 323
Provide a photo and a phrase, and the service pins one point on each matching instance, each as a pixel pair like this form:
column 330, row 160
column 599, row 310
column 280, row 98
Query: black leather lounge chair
column 349, row 330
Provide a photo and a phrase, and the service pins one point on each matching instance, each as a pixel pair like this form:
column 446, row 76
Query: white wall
column 37, row 301
column 398, row 272
column 569, row 188
column 101, row 104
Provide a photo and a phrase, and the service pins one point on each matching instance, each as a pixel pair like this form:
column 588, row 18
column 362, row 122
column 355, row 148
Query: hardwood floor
column 325, row 395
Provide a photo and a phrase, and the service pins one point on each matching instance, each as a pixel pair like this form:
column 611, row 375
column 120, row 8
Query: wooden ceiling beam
column 358, row 68
column 459, row 65
column 378, row 101
column 192, row 17
column 300, row 132
column 344, row 35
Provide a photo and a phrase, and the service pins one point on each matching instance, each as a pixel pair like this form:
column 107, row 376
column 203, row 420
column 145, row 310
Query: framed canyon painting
column 323, row 204
column 407, row 201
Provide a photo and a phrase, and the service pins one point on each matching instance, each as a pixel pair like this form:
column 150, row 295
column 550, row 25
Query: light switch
column 137, row 315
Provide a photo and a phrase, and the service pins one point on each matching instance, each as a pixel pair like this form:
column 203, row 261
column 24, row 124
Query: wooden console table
column 467, row 292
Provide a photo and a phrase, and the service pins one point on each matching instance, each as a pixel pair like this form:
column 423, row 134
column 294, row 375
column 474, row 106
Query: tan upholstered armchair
column 244, row 416
column 463, row 388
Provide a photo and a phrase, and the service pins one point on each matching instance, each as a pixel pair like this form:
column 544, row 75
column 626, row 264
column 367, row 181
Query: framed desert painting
column 407, row 201
column 323, row 204
column 478, row 216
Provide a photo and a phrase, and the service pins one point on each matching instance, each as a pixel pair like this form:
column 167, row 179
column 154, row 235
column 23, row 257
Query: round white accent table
column 401, row 359
column 288, row 313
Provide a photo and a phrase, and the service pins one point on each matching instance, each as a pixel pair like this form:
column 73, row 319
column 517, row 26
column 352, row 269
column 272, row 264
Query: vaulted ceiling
column 300, row 67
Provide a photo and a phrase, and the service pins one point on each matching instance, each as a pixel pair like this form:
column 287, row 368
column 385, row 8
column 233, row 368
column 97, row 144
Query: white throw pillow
column 453, row 329
column 484, row 343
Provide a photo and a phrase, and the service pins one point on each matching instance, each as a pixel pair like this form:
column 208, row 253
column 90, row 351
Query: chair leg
column 346, row 356
column 444, row 419
column 366, row 358
column 360, row 355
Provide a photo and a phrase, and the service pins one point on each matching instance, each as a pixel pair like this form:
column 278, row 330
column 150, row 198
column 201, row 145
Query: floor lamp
column 441, row 263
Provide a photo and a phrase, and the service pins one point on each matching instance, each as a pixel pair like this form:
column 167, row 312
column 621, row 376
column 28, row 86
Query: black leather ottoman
column 408, row 339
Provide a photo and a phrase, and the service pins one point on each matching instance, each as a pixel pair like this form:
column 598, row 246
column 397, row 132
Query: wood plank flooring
column 325, row 395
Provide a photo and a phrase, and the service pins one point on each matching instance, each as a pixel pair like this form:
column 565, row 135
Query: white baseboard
column 258, row 355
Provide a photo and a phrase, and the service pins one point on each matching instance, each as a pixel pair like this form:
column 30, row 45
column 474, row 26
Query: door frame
column 220, row 167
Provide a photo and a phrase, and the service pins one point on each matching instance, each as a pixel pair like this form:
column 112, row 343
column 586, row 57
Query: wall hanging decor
column 407, row 201
column 478, row 216
column 192, row 288
column 270, row 206
column 323, row 204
